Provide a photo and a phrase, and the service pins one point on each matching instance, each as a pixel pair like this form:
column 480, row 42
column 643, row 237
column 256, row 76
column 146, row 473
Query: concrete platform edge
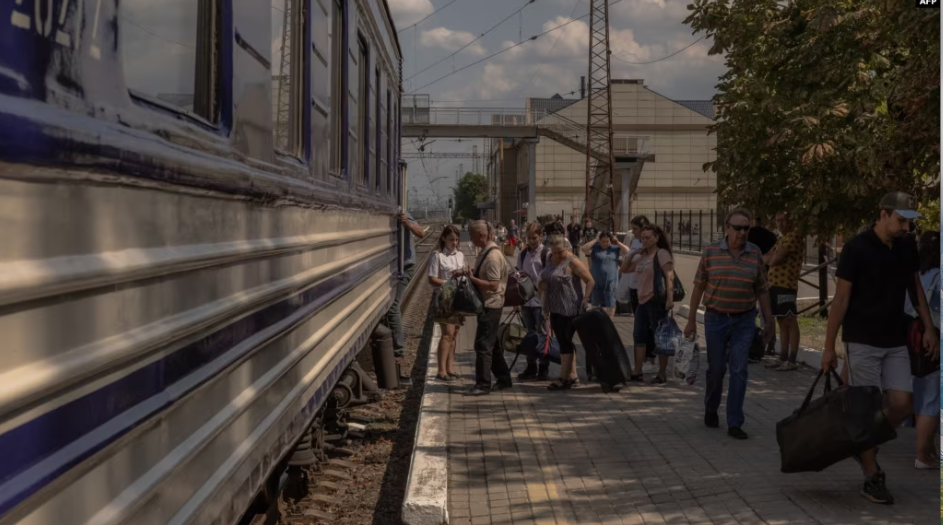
column 427, row 488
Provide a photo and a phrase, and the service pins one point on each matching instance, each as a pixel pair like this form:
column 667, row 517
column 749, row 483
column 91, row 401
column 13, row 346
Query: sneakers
column 529, row 374
column 875, row 490
column 737, row 433
column 920, row 465
column 775, row 364
column 711, row 419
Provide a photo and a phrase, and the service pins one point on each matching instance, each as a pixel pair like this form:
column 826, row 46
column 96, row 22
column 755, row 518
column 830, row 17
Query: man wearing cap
column 875, row 270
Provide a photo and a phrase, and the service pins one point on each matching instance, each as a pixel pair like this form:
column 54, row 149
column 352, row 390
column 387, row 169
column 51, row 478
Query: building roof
column 704, row 107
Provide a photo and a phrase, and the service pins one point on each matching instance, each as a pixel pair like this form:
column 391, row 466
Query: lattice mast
column 283, row 99
column 600, row 198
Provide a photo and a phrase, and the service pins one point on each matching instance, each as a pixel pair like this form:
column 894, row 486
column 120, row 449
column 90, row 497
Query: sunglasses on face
column 739, row 228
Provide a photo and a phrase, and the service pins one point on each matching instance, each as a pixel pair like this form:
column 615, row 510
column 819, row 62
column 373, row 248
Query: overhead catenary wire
column 496, row 53
column 492, row 28
column 427, row 16
column 620, row 59
column 549, row 52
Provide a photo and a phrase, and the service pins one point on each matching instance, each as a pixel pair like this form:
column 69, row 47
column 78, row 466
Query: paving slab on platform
column 643, row 456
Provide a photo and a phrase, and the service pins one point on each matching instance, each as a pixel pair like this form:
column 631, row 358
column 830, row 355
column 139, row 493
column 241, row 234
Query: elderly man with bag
column 490, row 278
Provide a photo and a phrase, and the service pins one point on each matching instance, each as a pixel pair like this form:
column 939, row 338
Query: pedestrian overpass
column 528, row 126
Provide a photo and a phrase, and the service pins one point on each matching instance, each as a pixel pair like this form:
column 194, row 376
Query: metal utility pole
column 600, row 200
column 475, row 166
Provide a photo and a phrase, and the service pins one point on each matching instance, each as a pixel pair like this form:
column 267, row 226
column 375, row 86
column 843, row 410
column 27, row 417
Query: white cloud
column 408, row 12
column 446, row 39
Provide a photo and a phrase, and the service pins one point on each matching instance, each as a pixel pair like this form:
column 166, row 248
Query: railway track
column 320, row 475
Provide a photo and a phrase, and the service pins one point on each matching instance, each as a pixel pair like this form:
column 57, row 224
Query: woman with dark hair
column 927, row 388
column 651, row 310
column 446, row 262
column 635, row 248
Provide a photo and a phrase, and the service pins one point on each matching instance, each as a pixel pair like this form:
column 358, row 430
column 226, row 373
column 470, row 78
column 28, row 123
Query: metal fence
column 691, row 230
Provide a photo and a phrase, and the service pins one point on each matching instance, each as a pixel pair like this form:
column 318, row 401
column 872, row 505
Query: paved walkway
column 643, row 456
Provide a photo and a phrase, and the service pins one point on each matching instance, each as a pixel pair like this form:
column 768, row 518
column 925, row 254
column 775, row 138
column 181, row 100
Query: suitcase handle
column 828, row 387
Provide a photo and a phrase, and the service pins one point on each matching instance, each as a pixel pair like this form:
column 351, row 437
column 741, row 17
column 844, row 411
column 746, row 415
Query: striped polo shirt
column 733, row 283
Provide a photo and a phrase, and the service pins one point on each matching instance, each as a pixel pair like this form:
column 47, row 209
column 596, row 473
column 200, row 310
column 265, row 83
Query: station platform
column 643, row 456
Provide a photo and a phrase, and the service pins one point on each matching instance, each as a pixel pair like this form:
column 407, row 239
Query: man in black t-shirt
column 761, row 237
column 875, row 270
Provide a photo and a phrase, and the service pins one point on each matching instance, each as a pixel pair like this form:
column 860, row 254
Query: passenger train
column 198, row 235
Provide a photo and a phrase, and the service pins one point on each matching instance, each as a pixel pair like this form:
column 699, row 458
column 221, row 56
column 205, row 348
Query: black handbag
column 841, row 424
column 467, row 299
column 661, row 286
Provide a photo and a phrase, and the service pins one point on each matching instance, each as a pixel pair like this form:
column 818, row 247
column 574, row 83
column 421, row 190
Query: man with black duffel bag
column 875, row 270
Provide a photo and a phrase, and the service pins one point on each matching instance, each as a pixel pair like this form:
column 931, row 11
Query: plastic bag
column 687, row 360
column 467, row 299
column 668, row 337
column 622, row 289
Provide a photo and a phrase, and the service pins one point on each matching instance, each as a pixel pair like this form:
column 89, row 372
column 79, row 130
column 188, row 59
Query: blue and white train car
column 198, row 234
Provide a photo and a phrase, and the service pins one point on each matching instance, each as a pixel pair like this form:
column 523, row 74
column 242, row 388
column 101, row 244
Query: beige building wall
column 673, row 180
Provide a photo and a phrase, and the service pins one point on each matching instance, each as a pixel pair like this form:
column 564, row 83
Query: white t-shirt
column 443, row 264
column 634, row 246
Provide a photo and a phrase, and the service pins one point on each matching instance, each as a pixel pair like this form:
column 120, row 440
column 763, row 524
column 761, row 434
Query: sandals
column 446, row 378
column 455, row 375
column 564, row 385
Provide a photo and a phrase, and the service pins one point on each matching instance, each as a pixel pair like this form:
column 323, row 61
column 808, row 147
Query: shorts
column 927, row 395
column 783, row 302
column 563, row 329
column 885, row 368
column 647, row 317
column 603, row 297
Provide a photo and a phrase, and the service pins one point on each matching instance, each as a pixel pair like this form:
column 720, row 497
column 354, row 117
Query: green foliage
column 931, row 215
column 471, row 188
column 826, row 105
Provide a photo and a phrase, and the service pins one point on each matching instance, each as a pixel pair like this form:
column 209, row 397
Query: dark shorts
column 783, row 302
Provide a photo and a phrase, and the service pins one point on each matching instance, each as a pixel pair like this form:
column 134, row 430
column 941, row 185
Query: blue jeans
column 533, row 318
column 728, row 345
column 394, row 316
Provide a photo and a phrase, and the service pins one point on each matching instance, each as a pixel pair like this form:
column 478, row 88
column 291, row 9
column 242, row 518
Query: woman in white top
column 446, row 262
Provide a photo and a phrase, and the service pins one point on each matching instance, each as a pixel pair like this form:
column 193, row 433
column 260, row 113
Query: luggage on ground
column 510, row 334
column 842, row 423
column 668, row 337
column 519, row 290
column 605, row 353
column 540, row 346
column 687, row 360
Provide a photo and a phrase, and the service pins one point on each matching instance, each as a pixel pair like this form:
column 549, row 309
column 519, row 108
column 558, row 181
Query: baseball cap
column 902, row 203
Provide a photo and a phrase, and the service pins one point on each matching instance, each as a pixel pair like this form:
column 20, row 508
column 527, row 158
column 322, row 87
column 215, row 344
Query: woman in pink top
column 651, row 310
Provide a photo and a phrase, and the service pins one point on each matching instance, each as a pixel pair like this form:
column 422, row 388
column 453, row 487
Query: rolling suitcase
column 605, row 353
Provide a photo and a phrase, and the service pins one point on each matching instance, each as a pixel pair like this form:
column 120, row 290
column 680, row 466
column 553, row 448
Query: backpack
column 543, row 257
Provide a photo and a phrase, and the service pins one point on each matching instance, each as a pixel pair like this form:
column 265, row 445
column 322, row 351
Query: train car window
column 388, row 169
column 170, row 54
column 289, row 27
column 363, row 111
column 378, row 124
column 338, row 88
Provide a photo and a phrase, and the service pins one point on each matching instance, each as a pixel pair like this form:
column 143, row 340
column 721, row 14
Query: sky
column 640, row 31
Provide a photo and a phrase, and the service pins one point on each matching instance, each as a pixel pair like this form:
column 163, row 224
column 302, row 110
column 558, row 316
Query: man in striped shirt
column 731, row 280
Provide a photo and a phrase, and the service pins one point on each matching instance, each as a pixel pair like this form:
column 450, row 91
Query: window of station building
column 289, row 27
column 363, row 110
column 170, row 54
column 338, row 88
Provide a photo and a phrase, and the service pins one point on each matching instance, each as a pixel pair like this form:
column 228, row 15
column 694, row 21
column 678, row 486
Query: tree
column 826, row 105
column 471, row 189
